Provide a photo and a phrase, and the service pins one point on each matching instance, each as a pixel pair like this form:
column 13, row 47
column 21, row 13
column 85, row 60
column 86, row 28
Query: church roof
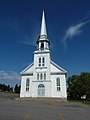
column 26, row 69
column 58, row 67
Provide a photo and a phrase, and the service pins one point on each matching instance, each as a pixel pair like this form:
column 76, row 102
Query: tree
column 8, row 88
column 11, row 89
column 4, row 87
column 79, row 85
column 17, row 88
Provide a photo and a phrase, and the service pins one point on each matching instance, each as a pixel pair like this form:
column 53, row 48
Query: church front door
column 41, row 90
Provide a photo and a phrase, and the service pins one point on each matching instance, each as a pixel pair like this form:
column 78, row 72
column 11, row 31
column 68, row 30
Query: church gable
column 56, row 69
column 28, row 70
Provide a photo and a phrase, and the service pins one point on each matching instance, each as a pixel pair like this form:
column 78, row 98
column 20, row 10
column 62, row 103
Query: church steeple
column 43, row 42
column 43, row 25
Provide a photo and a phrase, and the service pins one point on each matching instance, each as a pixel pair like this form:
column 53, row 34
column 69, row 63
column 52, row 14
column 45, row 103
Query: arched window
column 41, row 86
column 42, row 45
column 44, row 76
column 58, row 84
column 27, row 84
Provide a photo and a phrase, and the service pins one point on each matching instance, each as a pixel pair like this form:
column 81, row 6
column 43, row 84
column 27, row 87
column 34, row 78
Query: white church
column 43, row 77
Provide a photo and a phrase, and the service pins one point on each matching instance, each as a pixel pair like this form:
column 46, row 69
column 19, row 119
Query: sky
column 68, row 28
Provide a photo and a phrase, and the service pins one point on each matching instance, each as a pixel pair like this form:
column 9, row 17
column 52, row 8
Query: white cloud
column 9, row 76
column 72, row 31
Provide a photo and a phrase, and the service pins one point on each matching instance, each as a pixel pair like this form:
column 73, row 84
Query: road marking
column 27, row 115
column 60, row 116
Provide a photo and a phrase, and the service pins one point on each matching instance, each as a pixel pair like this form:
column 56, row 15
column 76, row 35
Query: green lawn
column 81, row 101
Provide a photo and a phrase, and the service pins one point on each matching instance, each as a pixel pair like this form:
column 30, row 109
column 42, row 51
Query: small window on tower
column 39, row 61
column 42, row 45
column 43, row 61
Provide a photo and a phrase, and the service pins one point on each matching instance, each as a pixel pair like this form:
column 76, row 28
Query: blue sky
column 68, row 27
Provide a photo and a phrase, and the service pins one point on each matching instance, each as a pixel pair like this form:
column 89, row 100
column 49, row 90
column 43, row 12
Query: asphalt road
column 11, row 109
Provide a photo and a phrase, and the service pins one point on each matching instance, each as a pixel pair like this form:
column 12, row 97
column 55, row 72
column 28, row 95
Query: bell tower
column 43, row 42
column 42, row 54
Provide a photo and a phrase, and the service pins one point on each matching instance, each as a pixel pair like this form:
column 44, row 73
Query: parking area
column 11, row 109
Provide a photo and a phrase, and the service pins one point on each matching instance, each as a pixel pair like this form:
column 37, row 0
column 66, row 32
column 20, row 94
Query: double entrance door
column 41, row 90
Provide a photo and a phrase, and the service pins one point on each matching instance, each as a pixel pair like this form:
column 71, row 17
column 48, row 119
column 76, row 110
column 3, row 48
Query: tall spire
column 43, row 33
column 43, row 25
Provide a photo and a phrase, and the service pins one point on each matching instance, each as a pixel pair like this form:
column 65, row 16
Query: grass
column 80, row 101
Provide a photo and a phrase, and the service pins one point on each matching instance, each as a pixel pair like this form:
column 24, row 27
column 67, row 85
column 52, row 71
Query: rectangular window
column 58, row 88
column 41, row 76
column 38, row 76
column 44, row 76
column 27, row 88
column 41, row 61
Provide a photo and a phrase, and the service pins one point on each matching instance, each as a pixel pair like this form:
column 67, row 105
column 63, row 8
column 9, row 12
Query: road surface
column 11, row 109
